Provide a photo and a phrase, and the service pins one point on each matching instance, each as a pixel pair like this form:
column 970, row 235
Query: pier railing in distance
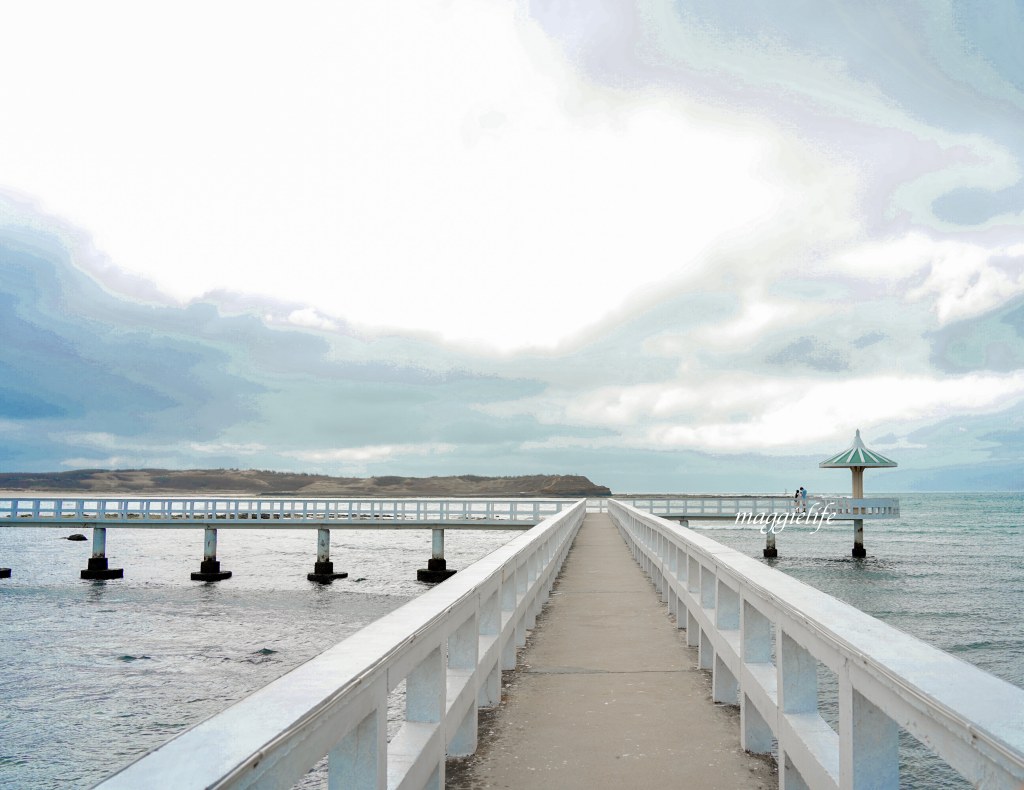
column 727, row 507
column 275, row 512
column 449, row 646
column 762, row 633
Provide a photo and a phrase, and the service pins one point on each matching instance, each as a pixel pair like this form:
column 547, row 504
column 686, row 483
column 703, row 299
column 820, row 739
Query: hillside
column 251, row 481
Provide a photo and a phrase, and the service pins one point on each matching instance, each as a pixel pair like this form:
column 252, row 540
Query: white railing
column 762, row 635
column 728, row 507
column 448, row 646
column 252, row 512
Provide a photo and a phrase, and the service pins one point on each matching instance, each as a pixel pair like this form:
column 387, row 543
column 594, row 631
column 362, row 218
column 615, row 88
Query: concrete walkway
column 607, row 693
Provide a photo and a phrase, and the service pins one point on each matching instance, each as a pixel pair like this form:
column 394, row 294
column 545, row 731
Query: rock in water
column 77, row 536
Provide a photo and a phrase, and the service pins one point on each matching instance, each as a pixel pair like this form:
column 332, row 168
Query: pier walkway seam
column 607, row 694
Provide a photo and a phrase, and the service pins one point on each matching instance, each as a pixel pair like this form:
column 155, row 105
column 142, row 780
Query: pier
column 760, row 638
column 608, row 695
column 438, row 515
column 323, row 515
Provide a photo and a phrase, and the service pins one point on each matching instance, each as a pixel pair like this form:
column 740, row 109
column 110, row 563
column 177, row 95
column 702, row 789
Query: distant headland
column 253, row 481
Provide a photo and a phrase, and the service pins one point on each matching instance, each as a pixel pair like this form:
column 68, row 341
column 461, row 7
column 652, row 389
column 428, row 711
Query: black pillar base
column 859, row 552
column 771, row 553
column 436, row 571
column 209, row 571
column 98, row 570
column 323, row 572
column 5, row 573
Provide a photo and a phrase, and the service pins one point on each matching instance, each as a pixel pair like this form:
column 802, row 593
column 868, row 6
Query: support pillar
column 769, row 543
column 323, row 570
column 97, row 568
column 437, row 568
column 209, row 568
column 858, row 539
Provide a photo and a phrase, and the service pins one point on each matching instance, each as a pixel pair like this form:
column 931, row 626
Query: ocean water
column 96, row 673
column 950, row 571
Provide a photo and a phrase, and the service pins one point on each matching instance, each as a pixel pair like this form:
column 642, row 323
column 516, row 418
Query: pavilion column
column 858, row 482
column 858, row 524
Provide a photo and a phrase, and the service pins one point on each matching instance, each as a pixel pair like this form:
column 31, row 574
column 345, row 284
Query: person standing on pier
column 803, row 498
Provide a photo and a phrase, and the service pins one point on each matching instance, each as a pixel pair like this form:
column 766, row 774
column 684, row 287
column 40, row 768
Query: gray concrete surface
column 607, row 694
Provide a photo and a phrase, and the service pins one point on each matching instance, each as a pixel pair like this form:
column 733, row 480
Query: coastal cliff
column 255, row 482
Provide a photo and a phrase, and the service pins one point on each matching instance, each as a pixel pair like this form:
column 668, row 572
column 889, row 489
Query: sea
column 95, row 673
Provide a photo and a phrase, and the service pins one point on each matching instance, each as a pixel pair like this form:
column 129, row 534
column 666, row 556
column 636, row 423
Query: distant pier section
column 729, row 506
column 214, row 513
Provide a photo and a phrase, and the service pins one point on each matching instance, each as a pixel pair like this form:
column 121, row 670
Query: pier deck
column 608, row 694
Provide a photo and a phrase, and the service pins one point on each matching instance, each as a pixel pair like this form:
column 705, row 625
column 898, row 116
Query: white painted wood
column 888, row 679
column 448, row 645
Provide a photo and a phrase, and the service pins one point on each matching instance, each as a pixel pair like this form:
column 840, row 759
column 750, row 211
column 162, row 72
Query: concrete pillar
column 97, row 568
column 437, row 568
column 209, row 568
column 323, row 569
column 858, row 538
column 769, row 544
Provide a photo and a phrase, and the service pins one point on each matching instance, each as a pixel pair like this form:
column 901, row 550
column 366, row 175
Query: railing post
column 360, row 760
column 98, row 568
column 437, row 567
column 724, row 685
column 509, row 597
column 209, row 568
column 869, row 743
column 490, row 627
column 756, row 646
column 798, row 693
column 323, row 569
column 425, row 691
column 522, row 587
column 463, row 655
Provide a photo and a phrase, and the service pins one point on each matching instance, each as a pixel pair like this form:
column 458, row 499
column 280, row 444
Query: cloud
column 468, row 176
column 664, row 243
column 743, row 413
column 356, row 460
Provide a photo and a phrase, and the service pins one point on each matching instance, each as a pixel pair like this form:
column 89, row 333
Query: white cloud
column 368, row 453
column 959, row 279
column 428, row 166
column 719, row 412
column 227, row 448
column 312, row 319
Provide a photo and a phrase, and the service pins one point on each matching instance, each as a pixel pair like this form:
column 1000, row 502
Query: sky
column 672, row 246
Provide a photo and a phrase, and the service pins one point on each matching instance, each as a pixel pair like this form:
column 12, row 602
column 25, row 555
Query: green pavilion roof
column 857, row 455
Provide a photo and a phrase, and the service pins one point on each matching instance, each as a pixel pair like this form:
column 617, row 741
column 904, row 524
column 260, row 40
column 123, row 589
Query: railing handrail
column 449, row 645
column 729, row 506
column 970, row 718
